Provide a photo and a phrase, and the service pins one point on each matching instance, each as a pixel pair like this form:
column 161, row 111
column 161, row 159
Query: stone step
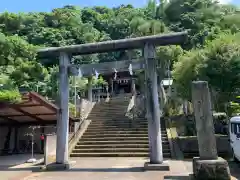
column 118, row 123
column 117, row 105
column 107, row 142
column 91, row 146
column 109, row 114
column 114, row 118
column 104, row 129
column 113, row 154
column 114, row 138
column 103, row 112
column 114, row 103
column 109, row 111
column 91, row 126
column 116, row 154
column 117, row 129
column 99, row 135
column 121, row 139
column 96, row 120
column 115, row 132
column 109, row 150
column 112, row 107
column 123, row 120
column 104, row 150
column 113, row 135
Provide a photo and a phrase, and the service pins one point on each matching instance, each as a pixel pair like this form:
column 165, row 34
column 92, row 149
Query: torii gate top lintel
column 116, row 45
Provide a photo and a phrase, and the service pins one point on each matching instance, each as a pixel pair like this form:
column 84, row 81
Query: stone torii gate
column 147, row 44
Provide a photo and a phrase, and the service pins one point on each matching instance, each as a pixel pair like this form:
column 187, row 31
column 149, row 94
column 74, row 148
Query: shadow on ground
column 177, row 177
column 35, row 169
column 133, row 169
column 234, row 169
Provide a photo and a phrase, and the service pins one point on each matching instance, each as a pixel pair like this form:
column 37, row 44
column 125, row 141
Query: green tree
column 218, row 63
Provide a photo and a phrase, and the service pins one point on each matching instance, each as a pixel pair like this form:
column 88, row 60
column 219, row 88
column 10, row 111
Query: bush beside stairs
column 112, row 134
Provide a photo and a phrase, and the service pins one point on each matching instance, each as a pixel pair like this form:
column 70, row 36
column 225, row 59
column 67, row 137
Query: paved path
column 112, row 168
column 14, row 167
column 108, row 169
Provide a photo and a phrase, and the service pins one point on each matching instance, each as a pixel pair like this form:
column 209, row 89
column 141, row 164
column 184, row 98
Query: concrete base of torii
column 164, row 166
column 57, row 167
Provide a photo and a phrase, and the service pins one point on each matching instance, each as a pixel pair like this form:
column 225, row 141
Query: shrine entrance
column 148, row 62
column 119, row 83
column 122, row 86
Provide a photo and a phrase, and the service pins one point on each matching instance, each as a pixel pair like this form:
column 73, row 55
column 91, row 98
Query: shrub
column 71, row 108
column 234, row 108
column 11, row 96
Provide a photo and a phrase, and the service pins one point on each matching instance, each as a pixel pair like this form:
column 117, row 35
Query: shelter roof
column 33, row 109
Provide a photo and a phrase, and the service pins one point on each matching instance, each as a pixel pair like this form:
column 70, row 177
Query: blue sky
column 48, row 5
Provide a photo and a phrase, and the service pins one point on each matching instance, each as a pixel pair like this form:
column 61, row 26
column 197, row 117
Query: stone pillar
column 63, row 121
column 148, row 116
column 111, row 86
column 133, row 86
column 153, row 103
column 79, row 105
column 208, row 165
column 90, row 96
column 156, row 155
column 98, row 94
column 107, row 89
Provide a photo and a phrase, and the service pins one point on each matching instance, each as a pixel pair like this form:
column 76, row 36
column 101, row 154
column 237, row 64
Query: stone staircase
column 113, row 134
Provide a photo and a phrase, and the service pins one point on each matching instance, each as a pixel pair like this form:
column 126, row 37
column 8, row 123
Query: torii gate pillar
column 154, row 113
column 63, row 116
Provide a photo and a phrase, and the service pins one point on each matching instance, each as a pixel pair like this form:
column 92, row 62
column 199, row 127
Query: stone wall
column 84, row 107
column 136, row 107
column 189, row 145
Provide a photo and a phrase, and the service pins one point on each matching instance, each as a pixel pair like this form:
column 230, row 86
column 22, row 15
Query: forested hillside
column 211, row 53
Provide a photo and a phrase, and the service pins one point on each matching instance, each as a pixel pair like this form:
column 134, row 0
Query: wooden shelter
column 33, row 110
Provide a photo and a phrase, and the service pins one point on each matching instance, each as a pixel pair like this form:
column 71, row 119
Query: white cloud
column 224, row 1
